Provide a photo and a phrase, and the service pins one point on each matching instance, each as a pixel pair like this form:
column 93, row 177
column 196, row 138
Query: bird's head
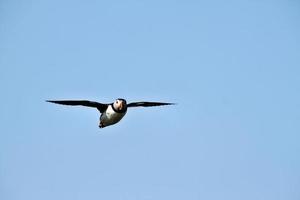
column 120, row 105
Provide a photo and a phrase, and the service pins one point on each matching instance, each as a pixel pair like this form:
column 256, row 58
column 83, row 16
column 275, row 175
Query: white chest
column 110, row 117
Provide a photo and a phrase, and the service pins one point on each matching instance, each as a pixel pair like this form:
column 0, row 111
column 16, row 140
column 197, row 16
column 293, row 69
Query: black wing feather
column 148, row 104
column 100, row 106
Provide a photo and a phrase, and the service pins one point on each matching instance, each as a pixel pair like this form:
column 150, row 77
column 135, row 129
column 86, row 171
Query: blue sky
column 232, row 67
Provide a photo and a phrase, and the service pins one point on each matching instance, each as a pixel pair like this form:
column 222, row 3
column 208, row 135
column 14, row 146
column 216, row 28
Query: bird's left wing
column 148, row 104
column 100, row 106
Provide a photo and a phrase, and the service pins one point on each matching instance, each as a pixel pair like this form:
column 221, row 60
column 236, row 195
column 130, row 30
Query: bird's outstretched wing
column 100, row 106
column 148, row 104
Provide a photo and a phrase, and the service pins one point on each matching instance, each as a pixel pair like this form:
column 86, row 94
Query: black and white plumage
column 110, row 113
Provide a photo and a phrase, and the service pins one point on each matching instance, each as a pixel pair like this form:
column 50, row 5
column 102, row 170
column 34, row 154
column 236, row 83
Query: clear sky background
column 232, row 66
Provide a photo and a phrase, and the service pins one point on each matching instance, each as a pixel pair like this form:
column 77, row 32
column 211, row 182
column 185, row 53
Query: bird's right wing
column 148, row 104
column 100, row 106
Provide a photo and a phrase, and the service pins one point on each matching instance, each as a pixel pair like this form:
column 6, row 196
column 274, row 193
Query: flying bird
column 111, row 113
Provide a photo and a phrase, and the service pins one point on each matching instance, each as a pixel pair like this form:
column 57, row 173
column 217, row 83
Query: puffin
column 111, row 113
